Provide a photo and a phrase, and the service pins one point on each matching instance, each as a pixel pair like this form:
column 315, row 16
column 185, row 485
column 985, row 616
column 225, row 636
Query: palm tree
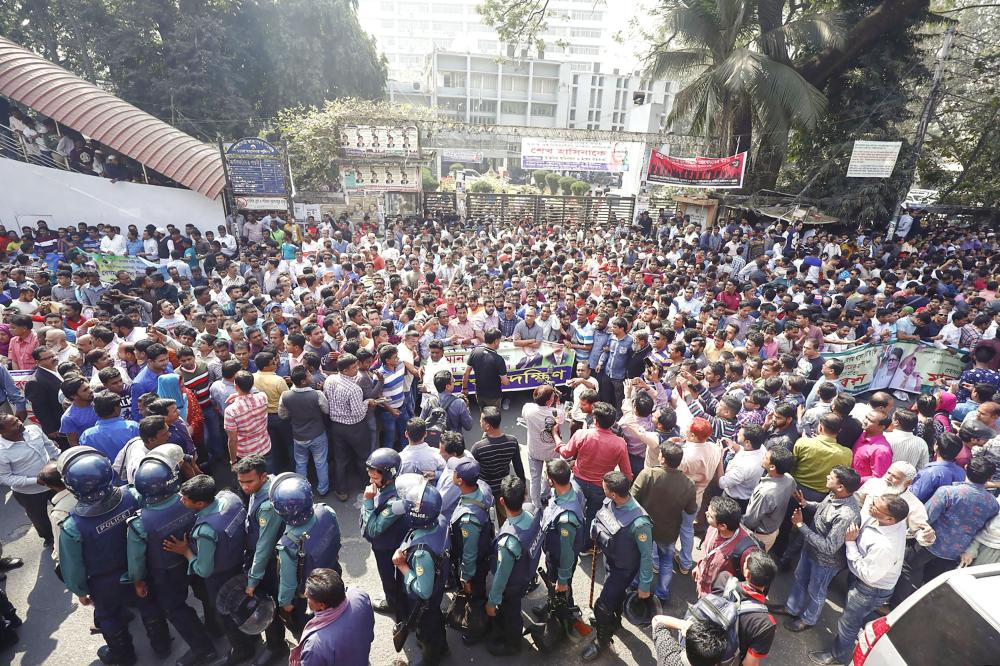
column 737, row 57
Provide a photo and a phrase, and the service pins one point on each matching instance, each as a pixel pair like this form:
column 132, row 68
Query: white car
column 954, row 620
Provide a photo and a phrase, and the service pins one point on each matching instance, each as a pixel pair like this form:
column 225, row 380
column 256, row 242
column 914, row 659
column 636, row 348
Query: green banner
column 904, row 366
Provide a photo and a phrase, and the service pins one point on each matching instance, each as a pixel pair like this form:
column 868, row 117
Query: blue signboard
column 255, row 167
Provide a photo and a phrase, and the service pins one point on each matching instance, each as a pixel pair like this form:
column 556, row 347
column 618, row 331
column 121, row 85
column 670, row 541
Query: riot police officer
column 471, row 537
column 517, row 548
column 383, row 526
column 422, row 560
column 93, row 556
column 311, row 540
column 624, row 534
column 264, row 528
column 561, row 524
column 214, row 550
column 158, row 574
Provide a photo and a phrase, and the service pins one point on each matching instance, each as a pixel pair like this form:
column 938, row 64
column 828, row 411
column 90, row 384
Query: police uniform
column 385, row 531
column 314, row 544
column 471, row 540
column 517, row 547
column 427, row 556
column 561, row 521
column 218, row 541
column 165, row 572
column 625, row 536
column 264, row 527
column 93, row 558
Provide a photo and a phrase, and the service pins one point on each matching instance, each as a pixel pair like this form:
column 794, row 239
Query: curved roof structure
column 54, row 92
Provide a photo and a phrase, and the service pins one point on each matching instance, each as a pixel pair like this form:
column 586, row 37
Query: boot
column 118, row 651
column 197, row 658
column 159, row 637
column 604, row 621
column 272, row 655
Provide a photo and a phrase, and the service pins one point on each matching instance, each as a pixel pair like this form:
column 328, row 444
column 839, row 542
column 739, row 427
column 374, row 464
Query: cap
column 161, row 230
column 468, row 471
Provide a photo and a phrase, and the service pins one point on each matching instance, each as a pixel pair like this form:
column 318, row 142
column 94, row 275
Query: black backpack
column 725, row 610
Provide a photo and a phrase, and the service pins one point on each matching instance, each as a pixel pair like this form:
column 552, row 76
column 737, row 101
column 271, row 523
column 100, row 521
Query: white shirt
column 432, row 368
column 908, row 447
column 876, row 556
column 114, row 245
column 20, row 462
column 228, row 243
column 128, row 459
column 917, row 526
column 950, row 335
column 743, row 473
column 421, row 459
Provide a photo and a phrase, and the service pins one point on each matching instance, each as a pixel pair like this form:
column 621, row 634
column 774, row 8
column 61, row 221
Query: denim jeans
column 317, row 448
column 538, row 488
column 687, row 540
column 809, row 591
column 215, row 440
column 393, row 427
column 665, row 555
column 861, row 601
column 594, row 495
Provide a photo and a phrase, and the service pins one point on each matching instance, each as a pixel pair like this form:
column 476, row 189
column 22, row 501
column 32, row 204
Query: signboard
column 873, row 159
column 462, row 155
column 108, row 265
column 380, row 178
column 262, row 203
column 379, row 141
column 527, row 368
column 560, row 155
column 302, row 211
column 699, row 172
column 903, row 366
column 255, row 167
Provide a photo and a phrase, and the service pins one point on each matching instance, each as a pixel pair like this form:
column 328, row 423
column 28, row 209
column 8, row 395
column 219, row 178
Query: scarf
column 319, row 621
column 5, row 347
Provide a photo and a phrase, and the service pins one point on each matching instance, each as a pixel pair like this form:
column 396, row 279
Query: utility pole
column 933, row 96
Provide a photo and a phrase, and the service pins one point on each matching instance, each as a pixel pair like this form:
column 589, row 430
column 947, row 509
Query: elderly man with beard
column 897, row 482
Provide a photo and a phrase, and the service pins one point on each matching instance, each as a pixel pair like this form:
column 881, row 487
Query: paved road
column 57, row 628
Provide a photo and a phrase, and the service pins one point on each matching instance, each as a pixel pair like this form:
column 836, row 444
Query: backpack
column 725, row 610
column 439, row 420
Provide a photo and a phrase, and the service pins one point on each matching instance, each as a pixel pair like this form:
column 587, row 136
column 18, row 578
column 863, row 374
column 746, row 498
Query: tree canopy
column 212, row 67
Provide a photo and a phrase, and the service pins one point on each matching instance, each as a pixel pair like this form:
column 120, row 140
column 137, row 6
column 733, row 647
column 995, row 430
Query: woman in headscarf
column 4, row 339
column 168, row 385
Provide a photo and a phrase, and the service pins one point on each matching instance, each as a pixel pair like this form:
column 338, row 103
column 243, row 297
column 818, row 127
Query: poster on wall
column 698, row 172
column 873, row 159
column 261, row 203
column 303, row 211
column 560, row 155
column 359, row 178
column 900, row 366
column 379, row 140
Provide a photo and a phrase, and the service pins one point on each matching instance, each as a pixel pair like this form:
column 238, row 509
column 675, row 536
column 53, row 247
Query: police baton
column 593, row 572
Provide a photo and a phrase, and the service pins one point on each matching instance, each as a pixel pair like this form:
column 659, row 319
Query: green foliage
column 552, row 182
column 538, row 177
column 313, row 134
column 565, row 183
column 214, row 68
column 483, row 186
column 427, row 180
column 579, row 188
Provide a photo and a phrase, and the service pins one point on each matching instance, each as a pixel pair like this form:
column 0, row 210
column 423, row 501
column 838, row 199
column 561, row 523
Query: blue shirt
column 616, row 358
column 109, row 436
column 957, row 512
column 506, row 326
column 601, row 339
column 9, row 391
column 144, row 382
column 933, row 476
column 77, row 419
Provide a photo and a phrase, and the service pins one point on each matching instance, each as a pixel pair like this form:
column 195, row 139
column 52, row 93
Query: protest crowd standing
column 209, row 401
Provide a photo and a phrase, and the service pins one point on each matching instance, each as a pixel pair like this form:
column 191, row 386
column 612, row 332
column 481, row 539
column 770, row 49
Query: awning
column 52, row 91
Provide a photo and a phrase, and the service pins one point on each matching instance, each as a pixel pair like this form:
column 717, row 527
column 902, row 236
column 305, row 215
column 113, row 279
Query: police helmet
column 155, row 479
column 386, row 461
column 251, row 614
column 292, row 498
column 640, row 612
column 87, row 474
column 421, row 501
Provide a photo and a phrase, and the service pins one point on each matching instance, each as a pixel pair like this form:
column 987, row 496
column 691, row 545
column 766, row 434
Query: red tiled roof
column 52, row 91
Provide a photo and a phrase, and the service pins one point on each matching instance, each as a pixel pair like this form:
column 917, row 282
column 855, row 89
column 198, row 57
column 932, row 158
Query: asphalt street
column 57, row 629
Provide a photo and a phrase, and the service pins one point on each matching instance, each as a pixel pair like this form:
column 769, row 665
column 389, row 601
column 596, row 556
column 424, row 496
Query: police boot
column 159, row 637
column 118, row 651
column 605, row 625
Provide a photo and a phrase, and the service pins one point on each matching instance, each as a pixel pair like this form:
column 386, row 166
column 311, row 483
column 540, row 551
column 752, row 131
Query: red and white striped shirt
column 247, row 417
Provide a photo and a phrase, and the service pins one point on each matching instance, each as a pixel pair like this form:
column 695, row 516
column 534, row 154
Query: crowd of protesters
column 698, row 374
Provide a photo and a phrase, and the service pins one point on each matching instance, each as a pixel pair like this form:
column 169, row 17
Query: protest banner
column 903, row 366
column 108, row 265
column 702, row 172
column 527, row 368
column 560, row 154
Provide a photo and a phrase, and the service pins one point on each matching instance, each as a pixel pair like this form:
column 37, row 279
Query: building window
column 543, row 110
column 483, row 106
column 453, row 79
column 572, row 114
column 482, row 81
column 515, row 84
column 514, row 108
column 544, row 86
column 587, row 33
column 577, row 15
column 585, row 50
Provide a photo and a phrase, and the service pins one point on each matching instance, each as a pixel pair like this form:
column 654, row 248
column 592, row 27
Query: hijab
column 168, row 385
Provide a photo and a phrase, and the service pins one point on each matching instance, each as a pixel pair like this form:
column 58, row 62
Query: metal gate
column 440, row 202
column 551, row 209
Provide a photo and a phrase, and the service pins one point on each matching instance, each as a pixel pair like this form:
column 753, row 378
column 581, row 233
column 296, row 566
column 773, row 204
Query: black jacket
column 43, row 393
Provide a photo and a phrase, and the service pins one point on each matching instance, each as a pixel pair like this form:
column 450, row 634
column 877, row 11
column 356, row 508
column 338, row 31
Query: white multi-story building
column 533, row 92
column 406, row 31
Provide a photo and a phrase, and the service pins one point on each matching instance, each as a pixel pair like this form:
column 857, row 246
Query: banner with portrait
column 551, row 363
column 897, row 366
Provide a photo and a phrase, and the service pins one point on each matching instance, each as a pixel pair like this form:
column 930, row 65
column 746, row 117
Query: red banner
column 706, row 172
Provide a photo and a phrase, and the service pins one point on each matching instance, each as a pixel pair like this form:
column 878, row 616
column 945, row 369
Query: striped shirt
column 495, row 456
column 346, row 400
column 583, row 336
column 199, row 382
column 247, row 417
column 393, row 386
